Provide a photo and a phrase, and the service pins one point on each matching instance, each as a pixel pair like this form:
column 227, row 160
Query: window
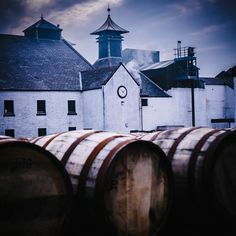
column 42, row 131
column 10, row 132
column 144, row 102
column 72, row 128
column 8, row 108
column 71, row 107
column 41, row 107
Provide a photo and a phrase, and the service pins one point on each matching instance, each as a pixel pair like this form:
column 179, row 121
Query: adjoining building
column 193, row 100
column 46, row 86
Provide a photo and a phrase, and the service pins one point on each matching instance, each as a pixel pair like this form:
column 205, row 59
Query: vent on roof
column 43, row 29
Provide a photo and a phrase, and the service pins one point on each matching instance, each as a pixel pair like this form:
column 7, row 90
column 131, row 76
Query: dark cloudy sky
column 208, row 25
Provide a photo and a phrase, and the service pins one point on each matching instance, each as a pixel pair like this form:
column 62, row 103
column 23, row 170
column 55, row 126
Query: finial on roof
column 108, row 9
column 41, row 16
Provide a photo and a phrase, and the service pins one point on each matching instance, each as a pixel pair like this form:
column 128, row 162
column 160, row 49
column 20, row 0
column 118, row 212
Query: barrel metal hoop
column 177, row 142
column 37, row 139
column 31, row 139
column 88, row 163
column 51, row 139
column 193, row 160
column 72, row 147
column 154, row 136
column 99, row 187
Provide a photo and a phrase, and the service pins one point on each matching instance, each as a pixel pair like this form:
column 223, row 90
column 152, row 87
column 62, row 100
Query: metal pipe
column 193, row 103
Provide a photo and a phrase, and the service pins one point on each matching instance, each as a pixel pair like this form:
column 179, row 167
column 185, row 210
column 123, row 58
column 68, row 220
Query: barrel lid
column 35, row 187
column 134, row 188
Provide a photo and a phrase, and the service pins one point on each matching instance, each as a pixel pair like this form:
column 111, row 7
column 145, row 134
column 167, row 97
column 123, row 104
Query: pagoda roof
column 109, row 26
column 43, row 24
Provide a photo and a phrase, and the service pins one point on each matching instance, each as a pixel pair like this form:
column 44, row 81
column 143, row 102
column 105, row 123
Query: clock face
column 122, row 91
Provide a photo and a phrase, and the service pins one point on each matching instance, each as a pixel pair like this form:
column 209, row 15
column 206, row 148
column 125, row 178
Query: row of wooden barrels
column 118, row 184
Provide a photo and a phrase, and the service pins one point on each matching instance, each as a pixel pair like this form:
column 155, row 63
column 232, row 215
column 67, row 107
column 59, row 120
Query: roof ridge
column 69, row 45
column 40, row 22
column 94, row 69
column 12, row 35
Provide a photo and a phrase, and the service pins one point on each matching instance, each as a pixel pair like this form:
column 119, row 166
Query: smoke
column 133, row 67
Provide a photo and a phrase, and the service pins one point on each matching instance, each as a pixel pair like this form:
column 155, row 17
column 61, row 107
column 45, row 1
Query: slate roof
column 94, row 79
column 31, row 64
column 228, row 76
column 43, row 24
column 109, row 26
column 107, row 62
column 150, row 89
column 213, row 81
column 157, row 65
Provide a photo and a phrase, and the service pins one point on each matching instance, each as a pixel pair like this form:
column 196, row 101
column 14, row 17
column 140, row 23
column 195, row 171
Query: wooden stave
column 115, row 139
column 51, row 220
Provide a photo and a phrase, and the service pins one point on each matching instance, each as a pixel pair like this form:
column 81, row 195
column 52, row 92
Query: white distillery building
column 46, row 86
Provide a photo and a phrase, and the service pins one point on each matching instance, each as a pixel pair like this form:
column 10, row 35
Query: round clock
column 122, row 91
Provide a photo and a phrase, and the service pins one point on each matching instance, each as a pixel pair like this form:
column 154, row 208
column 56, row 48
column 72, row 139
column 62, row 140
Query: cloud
column 18, row 14
column 185, row 7
column 11, row 12
column 212, row 48
column 80, row 13
column 208, row 30
column 36, row 4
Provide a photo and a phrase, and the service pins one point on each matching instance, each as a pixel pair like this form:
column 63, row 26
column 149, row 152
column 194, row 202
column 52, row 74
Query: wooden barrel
column 123, row 183
column 35, row 190
column 3, row 137
column 204, row 165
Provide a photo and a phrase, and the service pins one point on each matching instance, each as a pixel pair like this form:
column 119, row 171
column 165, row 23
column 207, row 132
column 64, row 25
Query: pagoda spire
column 108, row 9
column 43, row 29
column 109, row 38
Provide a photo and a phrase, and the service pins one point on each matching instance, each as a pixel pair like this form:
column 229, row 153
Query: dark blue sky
column 208, row 25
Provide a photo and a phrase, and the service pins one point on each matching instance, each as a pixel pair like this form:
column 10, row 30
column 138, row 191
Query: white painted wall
column 219, row 102
column 175, row 110
column 93, row 109
column 122, row 115
column 215, row 102
column 229, row 107
column 26, row 122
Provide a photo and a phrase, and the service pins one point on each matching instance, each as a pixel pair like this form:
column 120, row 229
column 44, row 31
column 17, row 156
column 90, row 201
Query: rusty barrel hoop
column 51, row 139
column 68, row 152
column 178, row 141
column 89, row 162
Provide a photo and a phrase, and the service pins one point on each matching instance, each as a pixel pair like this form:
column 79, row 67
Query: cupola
column 43, row 29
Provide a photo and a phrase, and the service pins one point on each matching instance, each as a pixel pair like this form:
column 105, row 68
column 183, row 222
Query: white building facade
column 39, row 112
